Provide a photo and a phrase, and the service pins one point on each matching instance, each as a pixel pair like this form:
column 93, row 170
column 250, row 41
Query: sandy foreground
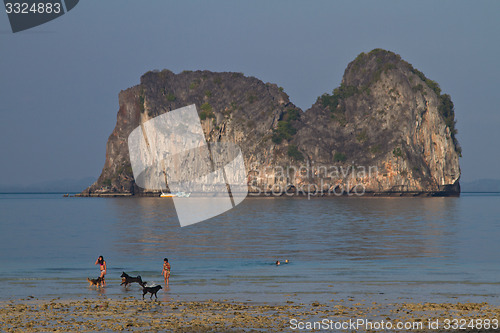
column 137, row 315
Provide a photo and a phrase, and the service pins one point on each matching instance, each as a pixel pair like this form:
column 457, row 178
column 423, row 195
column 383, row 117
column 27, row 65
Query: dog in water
column 152, row 290
column 94, row 282
column 127, row 279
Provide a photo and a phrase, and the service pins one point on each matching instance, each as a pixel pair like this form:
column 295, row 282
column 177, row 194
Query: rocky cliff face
column 386, row 130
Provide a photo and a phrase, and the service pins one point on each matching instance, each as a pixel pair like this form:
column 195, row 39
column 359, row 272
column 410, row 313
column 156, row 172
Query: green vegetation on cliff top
column 385, row 61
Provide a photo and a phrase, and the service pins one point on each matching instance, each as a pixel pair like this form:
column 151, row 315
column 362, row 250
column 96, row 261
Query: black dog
column 127, row 279
column 151, row 290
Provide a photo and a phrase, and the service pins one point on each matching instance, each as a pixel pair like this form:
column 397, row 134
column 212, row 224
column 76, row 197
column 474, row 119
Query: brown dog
column 94, row 282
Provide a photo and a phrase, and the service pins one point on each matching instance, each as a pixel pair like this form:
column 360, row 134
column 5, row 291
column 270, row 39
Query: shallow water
column 385, row 249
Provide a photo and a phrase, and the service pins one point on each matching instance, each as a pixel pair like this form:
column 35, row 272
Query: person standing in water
column 102, row 266
column 166, row 271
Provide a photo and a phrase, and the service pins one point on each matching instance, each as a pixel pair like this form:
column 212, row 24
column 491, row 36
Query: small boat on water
column 175, row 195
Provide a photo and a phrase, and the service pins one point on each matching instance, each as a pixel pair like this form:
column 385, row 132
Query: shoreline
column 388, row 194
column 139, row 315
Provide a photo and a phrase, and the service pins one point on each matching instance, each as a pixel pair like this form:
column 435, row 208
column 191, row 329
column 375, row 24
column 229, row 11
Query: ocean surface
column 381, row 249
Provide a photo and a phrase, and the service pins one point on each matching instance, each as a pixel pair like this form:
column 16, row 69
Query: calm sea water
column 386, row 249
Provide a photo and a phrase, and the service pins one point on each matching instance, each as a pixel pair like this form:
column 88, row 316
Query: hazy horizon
column 60, row 81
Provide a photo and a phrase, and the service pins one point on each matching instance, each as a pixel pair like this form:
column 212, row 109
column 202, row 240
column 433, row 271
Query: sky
column 59, row 82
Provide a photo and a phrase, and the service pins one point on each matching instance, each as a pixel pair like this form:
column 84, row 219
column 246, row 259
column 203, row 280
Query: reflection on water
column 321, row 229
column 143, row 224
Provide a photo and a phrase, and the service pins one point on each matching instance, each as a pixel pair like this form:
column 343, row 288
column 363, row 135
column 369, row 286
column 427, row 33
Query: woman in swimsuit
column 166, row 271
column 102, row 266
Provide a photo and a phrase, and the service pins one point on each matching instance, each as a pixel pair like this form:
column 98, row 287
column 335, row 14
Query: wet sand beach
column 137, row 315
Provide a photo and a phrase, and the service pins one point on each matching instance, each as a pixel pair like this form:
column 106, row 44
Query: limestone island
column 386, row 130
